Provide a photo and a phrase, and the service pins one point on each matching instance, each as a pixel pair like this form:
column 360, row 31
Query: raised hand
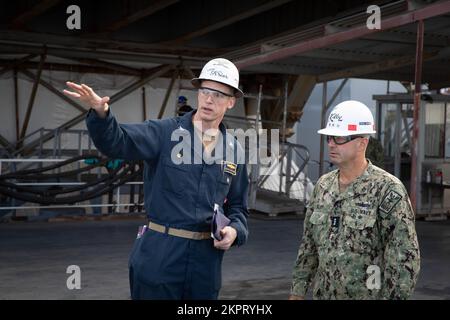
column 87, row 96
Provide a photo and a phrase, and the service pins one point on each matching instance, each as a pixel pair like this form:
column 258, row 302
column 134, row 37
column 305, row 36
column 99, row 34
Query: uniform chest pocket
column 174, row 177
column 320, row 226
column 359, row 223
column 360, row 233
column 223, row 187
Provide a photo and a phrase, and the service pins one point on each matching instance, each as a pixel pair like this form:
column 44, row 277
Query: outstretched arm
column 141, row 141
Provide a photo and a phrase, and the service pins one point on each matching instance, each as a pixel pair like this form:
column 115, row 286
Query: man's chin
column 206, row 117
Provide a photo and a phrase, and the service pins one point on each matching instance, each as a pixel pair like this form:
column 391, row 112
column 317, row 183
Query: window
column 435, row 129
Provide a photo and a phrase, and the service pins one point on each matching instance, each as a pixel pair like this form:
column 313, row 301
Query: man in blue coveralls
column 177, row 258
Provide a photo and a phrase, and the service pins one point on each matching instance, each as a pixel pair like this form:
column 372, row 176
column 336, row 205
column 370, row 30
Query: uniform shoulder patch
column 389, row 201
column 229, row 167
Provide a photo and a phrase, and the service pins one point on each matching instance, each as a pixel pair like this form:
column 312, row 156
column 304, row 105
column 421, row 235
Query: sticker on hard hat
column 335, row 116
column 217, row 73
column 352, row 127
column 365, row 123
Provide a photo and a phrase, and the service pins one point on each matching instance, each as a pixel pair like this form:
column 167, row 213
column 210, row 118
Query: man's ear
column 232, row 102
column 365, row 143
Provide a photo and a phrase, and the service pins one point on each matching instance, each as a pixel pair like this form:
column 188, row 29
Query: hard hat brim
column 237, row 92
column 340, row 133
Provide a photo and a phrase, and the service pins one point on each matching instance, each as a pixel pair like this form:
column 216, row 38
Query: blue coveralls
column 182, row 196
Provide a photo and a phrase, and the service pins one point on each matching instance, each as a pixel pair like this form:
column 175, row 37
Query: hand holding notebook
column 218, row 222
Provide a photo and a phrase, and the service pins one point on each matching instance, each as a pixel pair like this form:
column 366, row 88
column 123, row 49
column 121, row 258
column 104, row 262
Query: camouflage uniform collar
column 357, row 187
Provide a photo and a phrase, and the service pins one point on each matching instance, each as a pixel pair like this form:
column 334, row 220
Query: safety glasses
column 213, row 93
column 342, row 140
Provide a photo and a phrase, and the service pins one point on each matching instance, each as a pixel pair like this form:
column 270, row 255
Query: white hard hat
column 220, row 70
column 349, row 118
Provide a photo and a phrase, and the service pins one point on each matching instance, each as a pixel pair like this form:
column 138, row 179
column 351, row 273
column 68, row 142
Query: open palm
column 87, row 96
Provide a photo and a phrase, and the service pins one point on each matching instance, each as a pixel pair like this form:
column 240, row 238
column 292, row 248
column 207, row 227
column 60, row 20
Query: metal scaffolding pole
column 255, row 168
column 32, row 97
column 322, row 125
column 415, row 180
column 144, row 104
column 284, row 141
column 16, row 104
column 167, row 96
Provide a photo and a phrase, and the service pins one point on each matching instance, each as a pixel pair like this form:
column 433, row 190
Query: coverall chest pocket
column 320, row 227
column 174, row 177
column 360, row 232
column 223, row 187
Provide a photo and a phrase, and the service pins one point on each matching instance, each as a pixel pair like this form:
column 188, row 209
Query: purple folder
column 219, row 221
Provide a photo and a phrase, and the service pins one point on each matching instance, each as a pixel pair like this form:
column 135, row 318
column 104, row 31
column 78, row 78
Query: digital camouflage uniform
column 371, row 223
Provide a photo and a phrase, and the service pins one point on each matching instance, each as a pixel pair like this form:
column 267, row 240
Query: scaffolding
column 395, row 119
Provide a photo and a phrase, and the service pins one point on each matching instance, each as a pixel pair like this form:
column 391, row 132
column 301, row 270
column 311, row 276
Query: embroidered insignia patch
column 229, row 167
column 390, row 201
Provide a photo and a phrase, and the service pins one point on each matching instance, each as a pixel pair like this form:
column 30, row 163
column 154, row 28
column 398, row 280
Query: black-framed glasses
column 213, row 93
column 342, row 140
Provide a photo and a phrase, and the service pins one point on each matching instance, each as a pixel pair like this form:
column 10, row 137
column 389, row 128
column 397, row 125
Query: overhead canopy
column 327, row 39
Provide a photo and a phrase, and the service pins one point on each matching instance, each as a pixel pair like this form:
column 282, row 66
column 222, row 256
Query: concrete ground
column 34, row 257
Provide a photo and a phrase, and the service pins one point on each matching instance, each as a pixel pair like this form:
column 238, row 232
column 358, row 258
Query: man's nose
column 209, row 99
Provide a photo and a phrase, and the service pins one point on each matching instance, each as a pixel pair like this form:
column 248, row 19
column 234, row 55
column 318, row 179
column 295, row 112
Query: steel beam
column 131, row 47
column 432, row 10
column 99, row 54
column 4, row 142
column 52, row 89
column 111, row 66
column 154, row 7
column 78, row 68
column 372, row 68
column 298, row 95
column 383, row 66
column 36, row 10
column 15, row 63
column 210, row 27
column 32, row 97
column 191, row 74
column 156, row 72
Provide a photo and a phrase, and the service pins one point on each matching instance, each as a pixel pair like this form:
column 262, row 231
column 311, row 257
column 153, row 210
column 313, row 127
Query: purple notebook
column 219, row 221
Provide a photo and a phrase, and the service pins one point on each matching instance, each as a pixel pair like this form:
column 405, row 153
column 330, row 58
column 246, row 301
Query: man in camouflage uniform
column 359, row 239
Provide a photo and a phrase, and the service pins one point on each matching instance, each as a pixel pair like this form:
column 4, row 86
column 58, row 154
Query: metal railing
column 289, row 149
column 116, row 203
